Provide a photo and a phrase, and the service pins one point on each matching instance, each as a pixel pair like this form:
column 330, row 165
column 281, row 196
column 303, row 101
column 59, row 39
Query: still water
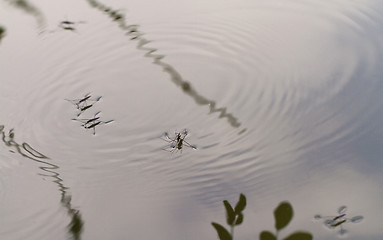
column 281, row 98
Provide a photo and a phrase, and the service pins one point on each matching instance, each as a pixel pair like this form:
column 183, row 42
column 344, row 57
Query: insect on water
column 65, row 25
column 84, row 103
column 177, row 142
column 68, row 25
column 333, row 222
column 92, row 123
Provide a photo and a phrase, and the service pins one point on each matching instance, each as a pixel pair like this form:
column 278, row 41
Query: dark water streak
column 25, row 150
column 176, row 78
column 2, row 32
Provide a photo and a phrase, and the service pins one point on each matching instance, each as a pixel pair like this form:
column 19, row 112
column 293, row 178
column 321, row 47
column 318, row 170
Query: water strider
column 69, row 25
column 178, row 142
column 65, row 25
column 84, row 103
column 338, row 220
column 92, row 123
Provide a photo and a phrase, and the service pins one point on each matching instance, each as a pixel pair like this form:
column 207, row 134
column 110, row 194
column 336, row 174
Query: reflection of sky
column 319, row 146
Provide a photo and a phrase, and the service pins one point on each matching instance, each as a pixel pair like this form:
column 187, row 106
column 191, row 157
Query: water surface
column 281, row 98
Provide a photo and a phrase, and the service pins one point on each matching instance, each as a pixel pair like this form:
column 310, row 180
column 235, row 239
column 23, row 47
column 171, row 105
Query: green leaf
column 230, row 215
column 300, row 236
column 266, row 235
column 223, row 234
column 239, row 219
column 283, row 215
column 241, row 204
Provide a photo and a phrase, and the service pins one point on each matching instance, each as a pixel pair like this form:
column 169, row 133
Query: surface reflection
column 134, row 34
column 30, row 9
column 50, row 170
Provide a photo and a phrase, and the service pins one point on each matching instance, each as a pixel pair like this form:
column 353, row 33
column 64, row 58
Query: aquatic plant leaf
column 266, row 235
column 356, row 219
column 239, row 219
column 283, row 215
column 223, row 234
column 241, row 204
column 342, row 209
column 230, row 215
column 300, row 236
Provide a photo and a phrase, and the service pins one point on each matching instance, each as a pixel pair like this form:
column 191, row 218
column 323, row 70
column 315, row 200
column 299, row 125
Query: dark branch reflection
column 50, row 170
column 133, row 32
column 30, row 9
column 2, row 32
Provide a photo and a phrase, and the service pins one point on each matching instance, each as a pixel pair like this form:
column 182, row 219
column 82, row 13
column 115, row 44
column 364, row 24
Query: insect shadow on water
column 92, row 123
column 333, row 222
column 84, row 103
column 177, row 142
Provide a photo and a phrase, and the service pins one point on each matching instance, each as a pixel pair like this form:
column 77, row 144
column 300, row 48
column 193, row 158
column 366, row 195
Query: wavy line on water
column 25, row 150
column 30, row 9
column 175, row 76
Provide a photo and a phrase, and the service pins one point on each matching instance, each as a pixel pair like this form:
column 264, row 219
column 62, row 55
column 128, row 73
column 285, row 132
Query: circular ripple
column 289, row 74
column 294, row 81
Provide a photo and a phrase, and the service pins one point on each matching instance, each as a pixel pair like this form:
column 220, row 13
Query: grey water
column 282, row 100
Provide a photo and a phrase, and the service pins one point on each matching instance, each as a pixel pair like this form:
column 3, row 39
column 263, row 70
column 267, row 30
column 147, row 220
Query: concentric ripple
column 271, row 93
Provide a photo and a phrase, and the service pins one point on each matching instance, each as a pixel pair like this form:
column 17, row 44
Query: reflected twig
column 25, row 150
column 135, row 34
column 30, row 9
